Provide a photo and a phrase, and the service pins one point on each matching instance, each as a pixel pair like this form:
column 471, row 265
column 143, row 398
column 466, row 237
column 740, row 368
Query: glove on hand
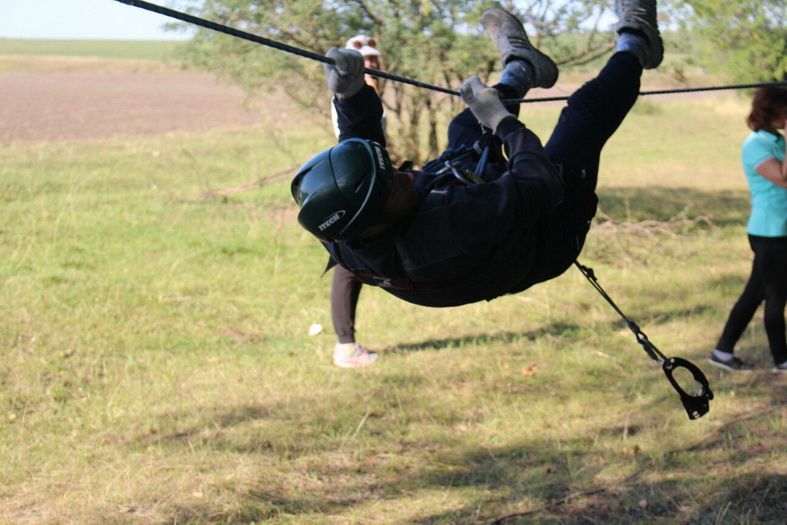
column 345, row 76
column 484, row 102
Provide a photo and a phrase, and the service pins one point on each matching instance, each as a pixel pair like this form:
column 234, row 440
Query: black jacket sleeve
column 528, row 163
column 360, row 116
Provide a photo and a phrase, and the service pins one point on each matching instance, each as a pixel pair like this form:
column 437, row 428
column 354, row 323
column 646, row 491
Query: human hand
column 345, row 75
column 484, row 102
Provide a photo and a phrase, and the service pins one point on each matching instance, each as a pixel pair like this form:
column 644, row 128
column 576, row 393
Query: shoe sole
column 353, row 365
column 728, row 368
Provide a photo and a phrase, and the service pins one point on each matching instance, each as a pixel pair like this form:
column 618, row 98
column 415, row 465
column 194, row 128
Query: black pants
column 591, row 116
column 345, row 290
column 768, row 282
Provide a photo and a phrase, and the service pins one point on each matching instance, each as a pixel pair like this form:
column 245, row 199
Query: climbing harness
column 221, row 28
column 696, row 402
column 481, row 148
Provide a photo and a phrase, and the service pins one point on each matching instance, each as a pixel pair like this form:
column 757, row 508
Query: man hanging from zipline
column 474, row 225
column 455, row 233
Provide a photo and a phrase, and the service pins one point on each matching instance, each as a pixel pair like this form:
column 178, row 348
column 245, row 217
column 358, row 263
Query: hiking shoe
column 640, row 15
column 509, row 36
column 732, row 365
column 780, row 369
column 352, row 355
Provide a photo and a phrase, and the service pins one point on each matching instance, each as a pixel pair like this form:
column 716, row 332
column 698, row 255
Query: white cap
column 364, row 45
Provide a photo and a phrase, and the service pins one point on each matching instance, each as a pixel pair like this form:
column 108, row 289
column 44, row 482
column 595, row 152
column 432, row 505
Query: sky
column 82, row 19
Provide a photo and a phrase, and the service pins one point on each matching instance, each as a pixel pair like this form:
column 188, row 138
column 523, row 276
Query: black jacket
column 465, row 243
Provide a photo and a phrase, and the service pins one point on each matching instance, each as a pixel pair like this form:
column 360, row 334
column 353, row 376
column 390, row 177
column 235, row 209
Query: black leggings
column 768, row 282
column 345, row 290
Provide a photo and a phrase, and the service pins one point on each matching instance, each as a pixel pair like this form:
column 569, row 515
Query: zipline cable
column 272, row 43
column 221, row 28
column 667, row 91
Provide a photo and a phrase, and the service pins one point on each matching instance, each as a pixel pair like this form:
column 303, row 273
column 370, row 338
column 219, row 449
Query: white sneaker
column 352, row 355
column 780, row 369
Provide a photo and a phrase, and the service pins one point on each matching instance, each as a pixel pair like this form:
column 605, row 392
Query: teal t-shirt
column 768, row 201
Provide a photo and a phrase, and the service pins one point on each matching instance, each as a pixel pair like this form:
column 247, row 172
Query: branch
column 362, row 5
column 267, row 179
column 588, row 55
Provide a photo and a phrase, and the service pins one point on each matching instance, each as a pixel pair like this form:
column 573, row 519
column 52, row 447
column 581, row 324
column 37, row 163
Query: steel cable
column 221, row 28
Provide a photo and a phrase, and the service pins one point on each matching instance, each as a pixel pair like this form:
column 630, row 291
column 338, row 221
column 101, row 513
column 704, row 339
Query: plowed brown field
column 68, row 98
column 44, row 106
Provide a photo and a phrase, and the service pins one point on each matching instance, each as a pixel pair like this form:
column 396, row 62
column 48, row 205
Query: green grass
column 156, row 366
column 115, row 49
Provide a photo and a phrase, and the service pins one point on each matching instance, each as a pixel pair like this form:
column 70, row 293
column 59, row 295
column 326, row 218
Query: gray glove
column 484, row 102
column 345, row 76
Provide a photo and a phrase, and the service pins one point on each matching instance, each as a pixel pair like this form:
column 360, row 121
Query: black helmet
column 342, row 191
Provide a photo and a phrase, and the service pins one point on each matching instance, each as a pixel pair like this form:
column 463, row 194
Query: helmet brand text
column 380, row 158
column 331, row 220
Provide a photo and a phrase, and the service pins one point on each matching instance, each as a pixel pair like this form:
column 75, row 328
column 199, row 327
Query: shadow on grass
column 222, row 417
column 599, row 477
column 723, row 208
column 555, row 329
column 547, row 483
column 543, row 481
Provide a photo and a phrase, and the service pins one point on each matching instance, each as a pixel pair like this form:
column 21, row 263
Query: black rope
column 383, row 74
column 665, row 91
column 642, row 339
column 275, row 45
column 696, row 401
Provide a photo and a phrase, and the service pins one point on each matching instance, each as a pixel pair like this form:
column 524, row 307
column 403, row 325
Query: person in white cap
column 371, row 56
column 346, row 287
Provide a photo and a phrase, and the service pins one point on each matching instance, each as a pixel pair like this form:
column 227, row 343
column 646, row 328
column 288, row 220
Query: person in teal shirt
column 766, row 174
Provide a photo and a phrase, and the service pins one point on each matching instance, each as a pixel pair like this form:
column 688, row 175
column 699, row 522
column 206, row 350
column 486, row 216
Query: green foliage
column 745, row 39
column 432, row 41
column 439, row 42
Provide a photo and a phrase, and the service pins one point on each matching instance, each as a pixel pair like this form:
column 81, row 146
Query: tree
column 744, row 39
column 435, row 41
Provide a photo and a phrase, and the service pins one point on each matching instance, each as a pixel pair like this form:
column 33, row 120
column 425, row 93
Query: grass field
column 156, row 366
column 115, row 56
column 115, row 49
